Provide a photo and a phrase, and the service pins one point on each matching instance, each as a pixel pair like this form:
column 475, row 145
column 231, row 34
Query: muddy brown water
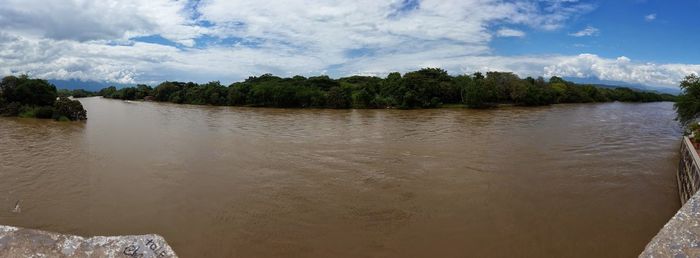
column 588, row 180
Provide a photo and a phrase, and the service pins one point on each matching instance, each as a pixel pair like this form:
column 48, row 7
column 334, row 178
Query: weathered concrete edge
column 20, row 242
column 680, row 237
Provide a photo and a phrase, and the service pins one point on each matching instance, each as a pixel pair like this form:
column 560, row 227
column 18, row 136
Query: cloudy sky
column 134, row 41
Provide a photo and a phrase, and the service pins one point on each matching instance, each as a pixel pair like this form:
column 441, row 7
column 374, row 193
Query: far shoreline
column 444, row 106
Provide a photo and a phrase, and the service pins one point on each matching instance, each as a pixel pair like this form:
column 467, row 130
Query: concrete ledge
column 19, row 242
column 681, row 236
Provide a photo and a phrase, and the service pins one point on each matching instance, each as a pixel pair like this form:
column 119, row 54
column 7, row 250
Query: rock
column 19, row 242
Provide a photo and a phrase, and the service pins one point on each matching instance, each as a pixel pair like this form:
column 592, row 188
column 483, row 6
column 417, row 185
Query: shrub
column 338, row 97
column 71, row 109
column 44, row 112
column 27, row 111
column 11, row 109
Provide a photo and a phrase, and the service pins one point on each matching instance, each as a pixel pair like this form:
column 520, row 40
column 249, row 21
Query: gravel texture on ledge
column 20, row 242
column 680, row 237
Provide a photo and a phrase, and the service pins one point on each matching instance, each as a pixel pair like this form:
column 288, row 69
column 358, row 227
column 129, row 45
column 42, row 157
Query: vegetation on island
column 25, row 97
column 425, row 88
column 78, row 93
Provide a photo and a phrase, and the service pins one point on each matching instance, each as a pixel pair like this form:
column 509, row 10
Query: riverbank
column 442, row 106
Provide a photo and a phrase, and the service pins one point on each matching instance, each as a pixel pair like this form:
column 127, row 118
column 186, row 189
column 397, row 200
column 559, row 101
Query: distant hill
column 85, row 85
column 618, row 84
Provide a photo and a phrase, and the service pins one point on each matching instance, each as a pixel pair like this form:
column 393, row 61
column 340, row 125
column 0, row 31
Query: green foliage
column 28, row 111
column 26, row 91
column 339, row 97
column 475, row 93
column 538, row 93
column 362, row 99
column 502, row 86
column 45, row 112
column 141, row 91
column 688, row 103
column 34, row 98
column 425, row 88
column 693, row 131
column 64, row 93
column 71, row 109
column 79, row 93
column 10, row 109
column 107, row 92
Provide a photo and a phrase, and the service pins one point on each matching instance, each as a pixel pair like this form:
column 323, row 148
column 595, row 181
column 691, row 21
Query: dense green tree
column 362, row 99
column 164, row 91
column 26, row 97
column 427, row 88
column 45, row 112
column 688, row 103
column 26, row 91
column 70, row 109
column 476, row 93
column 391, row 87
column 538, row 95
column 237, row 93
column 107, row 92
column 501, row 85
column 339, row 97
column 79, row 93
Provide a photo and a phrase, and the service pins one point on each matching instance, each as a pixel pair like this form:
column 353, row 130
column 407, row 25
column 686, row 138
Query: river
column 579, row 180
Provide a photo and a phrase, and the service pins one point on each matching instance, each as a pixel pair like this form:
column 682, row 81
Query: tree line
column 79, row 93
column 425, row 88
column 25, row 97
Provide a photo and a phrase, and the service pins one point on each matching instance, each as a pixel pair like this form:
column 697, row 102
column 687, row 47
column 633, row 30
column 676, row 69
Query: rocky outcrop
column 19, row 242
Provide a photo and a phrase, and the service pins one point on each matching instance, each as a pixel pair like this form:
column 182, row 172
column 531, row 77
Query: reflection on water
column 567, row 180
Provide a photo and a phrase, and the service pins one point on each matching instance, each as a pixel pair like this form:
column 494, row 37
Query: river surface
column 589, row 180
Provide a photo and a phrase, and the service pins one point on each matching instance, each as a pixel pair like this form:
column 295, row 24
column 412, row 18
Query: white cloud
column 650, row 17
column 84, row 20
column 621, row 69
column 587, row 32
column 506, row 32
column 93, row 40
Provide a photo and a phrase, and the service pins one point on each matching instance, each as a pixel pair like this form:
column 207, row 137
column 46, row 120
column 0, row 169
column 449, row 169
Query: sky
column 643, row 42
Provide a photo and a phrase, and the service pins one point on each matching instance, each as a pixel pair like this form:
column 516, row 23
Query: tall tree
column 688, row 103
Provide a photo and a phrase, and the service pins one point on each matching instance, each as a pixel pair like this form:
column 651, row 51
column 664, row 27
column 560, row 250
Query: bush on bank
column 35, row 98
